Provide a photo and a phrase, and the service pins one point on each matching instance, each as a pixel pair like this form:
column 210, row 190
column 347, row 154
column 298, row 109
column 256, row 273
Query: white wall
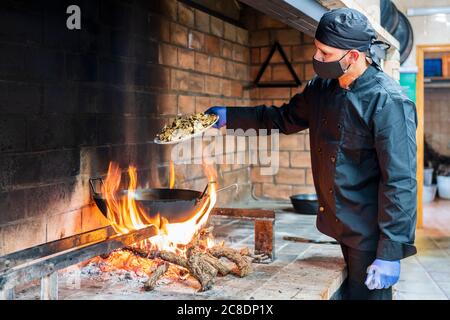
column 427, row 29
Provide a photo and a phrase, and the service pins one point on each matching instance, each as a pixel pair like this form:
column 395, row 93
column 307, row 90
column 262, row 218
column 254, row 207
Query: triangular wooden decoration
column 296, row 81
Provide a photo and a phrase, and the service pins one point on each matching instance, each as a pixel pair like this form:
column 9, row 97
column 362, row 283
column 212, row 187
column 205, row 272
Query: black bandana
column 345, row 29
column 348, row 29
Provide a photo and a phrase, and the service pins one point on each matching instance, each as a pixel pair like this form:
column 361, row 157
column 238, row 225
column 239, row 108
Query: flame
column 125, row 214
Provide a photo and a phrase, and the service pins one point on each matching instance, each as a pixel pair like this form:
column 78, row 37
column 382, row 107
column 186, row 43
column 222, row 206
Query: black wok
column 176, row 205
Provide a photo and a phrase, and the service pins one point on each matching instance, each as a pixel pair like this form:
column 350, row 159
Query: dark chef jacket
column 363, row 154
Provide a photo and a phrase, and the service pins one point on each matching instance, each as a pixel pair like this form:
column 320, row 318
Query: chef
column 363, row 151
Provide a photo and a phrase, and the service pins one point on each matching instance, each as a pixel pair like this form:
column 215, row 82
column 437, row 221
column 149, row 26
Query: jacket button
column 339, row 126
column 319, row 150
column 321, row 209
column 333, row 159
column 330, row 190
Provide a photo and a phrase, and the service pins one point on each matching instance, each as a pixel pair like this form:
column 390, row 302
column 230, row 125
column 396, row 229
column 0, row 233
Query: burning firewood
column 202, row 263
column 244, row 266
column 156, row 275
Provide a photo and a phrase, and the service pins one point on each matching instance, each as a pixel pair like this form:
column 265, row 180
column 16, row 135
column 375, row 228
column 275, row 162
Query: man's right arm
column 290, row 118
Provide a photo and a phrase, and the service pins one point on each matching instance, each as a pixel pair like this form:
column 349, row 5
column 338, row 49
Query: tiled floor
column 427, row 275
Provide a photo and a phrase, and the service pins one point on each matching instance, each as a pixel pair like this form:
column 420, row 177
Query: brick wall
column 71, row 101
column 437, row 123
column 295, row 174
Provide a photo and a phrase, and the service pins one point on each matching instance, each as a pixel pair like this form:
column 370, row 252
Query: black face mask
column 329, row 70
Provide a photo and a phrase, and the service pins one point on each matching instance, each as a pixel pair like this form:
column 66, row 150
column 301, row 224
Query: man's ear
column 354, row 55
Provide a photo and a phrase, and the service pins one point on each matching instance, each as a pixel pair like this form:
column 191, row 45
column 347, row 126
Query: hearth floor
column 300, row 270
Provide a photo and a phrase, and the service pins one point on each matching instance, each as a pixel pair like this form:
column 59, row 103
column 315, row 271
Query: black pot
column 305, row 203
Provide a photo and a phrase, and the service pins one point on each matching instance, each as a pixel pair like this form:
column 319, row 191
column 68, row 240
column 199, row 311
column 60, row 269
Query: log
column 221, row 267
column 244, row 266
column 202, row 271
column 156, row 275
column 197, row 266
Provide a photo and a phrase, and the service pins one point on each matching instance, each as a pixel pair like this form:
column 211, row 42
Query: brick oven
column 72, row 101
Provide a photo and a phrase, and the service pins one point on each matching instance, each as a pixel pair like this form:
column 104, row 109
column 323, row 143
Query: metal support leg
column 49, row 287
column 264, row 237
column 7, row 294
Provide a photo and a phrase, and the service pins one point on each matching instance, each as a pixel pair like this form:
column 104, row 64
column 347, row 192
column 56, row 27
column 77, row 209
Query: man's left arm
column 395, row 142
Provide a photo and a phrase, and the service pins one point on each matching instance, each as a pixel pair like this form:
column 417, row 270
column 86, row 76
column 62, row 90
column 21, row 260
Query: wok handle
column 91, row 180
column 204, row 191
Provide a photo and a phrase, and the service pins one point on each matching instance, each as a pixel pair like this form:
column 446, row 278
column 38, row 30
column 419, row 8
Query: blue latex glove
column 221, row 112
column 382, row 274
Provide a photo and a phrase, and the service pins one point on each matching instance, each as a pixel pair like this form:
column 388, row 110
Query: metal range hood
column 303, row 15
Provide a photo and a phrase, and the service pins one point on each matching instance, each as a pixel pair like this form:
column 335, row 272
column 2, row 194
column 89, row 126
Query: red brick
column 290, row 176
column 229, row 69
column 217, row 101
column 276, row 191
column 299, row 69
column 309, row 177
column 266, row 76
column 227, row 49
column 266, row 22
column 169, row 8
column 240, row 71
column 217, row 27
column 202, row 62
column 255, row 176
column 242, row 36
column 292, row 142
column 309, row 71
column 287, row 36
column 212, row 45
column 185, row 14
column 236, row 89
column 255, row 52
column 226, row 87
column 307, row 147
column 202, row 103
column 303, row 190
column 240, row 53
column 283, row 158
column 303, row 53
column 196, row 40
column 178, row 34
column 213, row 85
column 257, row 190
column 165, row 30
column 187, row 81
column 186, row 104
column 167, row 104
column 168, row 55
column 202, row 21
column 274, row 93
column 229, row 32
column 276, row 55
column 259, row 38
column 217, row 66
column 300, row 159
column 230, row 102
column 186, row 58
column 280, row 72
column 307, row 39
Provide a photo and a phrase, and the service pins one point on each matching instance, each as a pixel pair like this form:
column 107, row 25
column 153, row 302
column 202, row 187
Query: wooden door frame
column 420, row 92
